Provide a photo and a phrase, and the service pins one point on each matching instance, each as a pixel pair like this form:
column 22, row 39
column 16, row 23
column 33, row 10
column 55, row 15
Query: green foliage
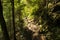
column 35, row 10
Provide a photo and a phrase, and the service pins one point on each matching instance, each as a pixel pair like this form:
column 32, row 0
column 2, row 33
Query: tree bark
column 12, row 4
column 3, row 24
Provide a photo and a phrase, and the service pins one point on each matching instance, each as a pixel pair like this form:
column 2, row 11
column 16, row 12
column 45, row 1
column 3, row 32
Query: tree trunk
column 3, row 24
column 12, row 3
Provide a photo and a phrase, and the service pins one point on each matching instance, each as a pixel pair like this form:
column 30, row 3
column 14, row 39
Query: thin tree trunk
column 3, row 24
column 12, row 3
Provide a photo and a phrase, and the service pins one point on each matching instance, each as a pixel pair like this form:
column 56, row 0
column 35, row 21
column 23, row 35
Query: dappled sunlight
column 28, row 10
column 24, row 1
column 29, row 19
